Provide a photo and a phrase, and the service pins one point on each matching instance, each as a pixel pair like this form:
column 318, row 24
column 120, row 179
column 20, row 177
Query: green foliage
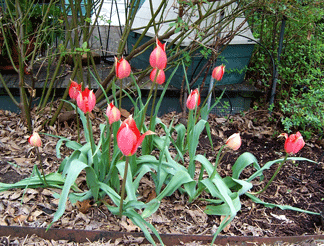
column 299, row 91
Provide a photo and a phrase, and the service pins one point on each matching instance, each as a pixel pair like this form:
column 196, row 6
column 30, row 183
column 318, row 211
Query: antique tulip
column 218, row 72
column 112, row 113
column 86, row 100
column 159, row 78
column 193, row 100
column 234, row 141
column 129, row 137
column 158, row 57
column 74, row 89
column 35, row 140
column 294, row 142
column 122, row 68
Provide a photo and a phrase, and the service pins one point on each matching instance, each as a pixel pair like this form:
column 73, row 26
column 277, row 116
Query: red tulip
column 218, row 72
column 112, row 113
column 35, row 140
column 294, row 142
column 193, row 100
column 158, row 57
column 122, row 68
column 86, row 100
column 234, row 141
column 160, row 77
column 129, row 137
column 74, row 89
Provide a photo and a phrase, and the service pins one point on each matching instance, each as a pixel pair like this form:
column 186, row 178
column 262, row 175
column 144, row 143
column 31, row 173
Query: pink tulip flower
column 122, row 68
column 160, row 77
column 218, row 72
column 129, row 138
column 74, row 89
column 112, row 113
column 158, row 57
column 294, row 143
column 35, row 140
column 86, row 100
column 193, row 100
column 234, row 141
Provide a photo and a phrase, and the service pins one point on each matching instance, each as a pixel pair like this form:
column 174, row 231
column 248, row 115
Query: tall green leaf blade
column 242, row 162
column 74, row 171
column 283, row 207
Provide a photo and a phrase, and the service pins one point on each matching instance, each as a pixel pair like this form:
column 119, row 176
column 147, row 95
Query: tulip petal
column 140, row 140
column 126, row 140
column 132, row 125
column 294, row 143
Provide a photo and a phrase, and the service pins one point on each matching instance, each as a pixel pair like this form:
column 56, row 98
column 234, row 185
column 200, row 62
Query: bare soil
column 299, row 184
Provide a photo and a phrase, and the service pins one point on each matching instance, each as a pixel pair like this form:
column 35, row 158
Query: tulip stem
column 78, row 123
column 93, row 150
column 153, row 103
column 218, row 160
column 145, row 109
column 122, row 194
column 109, row 144
column 41, row 164
column 120, row 94
column 273, row 176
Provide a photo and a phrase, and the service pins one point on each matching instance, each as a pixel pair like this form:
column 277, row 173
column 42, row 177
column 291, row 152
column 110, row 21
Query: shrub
column 299, row 94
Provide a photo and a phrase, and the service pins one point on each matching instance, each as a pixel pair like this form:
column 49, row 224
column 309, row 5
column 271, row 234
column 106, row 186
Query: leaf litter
column 298, row 184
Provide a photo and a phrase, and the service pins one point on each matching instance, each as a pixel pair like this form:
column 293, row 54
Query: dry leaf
column 282, row 218
column 15, row 195
column 226, row 229
column 129, row 226
column 20, row 218
column 83, row 206
column 151, row 196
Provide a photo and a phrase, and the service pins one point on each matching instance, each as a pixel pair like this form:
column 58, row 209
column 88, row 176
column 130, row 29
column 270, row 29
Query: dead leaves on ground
column 17, row 158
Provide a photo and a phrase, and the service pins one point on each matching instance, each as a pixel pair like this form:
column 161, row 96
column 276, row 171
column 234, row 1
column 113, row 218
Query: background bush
column 300, row 93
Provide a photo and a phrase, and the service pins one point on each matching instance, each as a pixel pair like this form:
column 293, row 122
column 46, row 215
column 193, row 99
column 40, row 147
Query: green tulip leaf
column 74, row 171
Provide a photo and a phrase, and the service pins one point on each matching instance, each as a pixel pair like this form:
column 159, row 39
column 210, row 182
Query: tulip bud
column 74, row 89
column 35, row 140
column 193, row 100
column 122, row 68
column 158, row 57
column 160, row 77
column 218, row 72
column 294, row 143
column 112, row 113
column 129, row 137
column 234, row 141
column 86, row 100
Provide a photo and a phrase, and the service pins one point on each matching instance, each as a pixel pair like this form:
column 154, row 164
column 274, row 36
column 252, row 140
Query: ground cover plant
column 114, row 170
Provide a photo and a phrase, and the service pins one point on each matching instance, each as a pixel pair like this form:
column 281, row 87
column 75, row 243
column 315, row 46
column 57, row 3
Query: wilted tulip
column 112, row 113
column 122, row 68
column 129, row 137
column 158, row 57
column 294, row 142
column 35, row 140
column 74, row 89
column 218, row 72
column 234, row 141
column 86, row 100
column 193, row 100
column 160, row 77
